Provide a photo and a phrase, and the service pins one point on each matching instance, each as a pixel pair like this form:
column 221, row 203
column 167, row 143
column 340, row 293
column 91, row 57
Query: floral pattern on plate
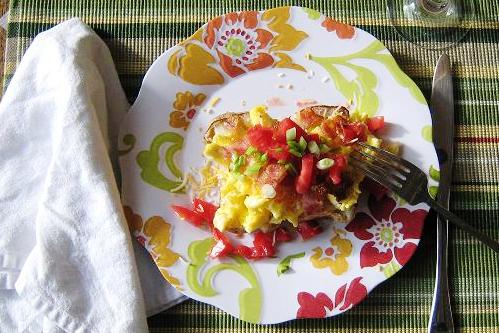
column 245, row 59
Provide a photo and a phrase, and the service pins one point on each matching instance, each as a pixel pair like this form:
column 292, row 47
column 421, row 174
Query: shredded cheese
column 214, row 102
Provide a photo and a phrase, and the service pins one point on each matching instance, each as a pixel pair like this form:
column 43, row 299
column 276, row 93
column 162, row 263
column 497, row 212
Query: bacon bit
column 272, row 174
column 303, row 103
column 275, row 101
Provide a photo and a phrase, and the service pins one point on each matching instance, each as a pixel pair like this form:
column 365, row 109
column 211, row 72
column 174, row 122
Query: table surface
column 139, row 31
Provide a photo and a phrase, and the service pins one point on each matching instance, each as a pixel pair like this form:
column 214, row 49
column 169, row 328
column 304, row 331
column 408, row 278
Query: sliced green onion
column 325, row 163
column 251, row 150
column 295, row 152
column 291, row 134
column 313, row 147
column 285, row 264
column 263, row 158
column 303, row 144
column 290, row 168
column 253, row 169
column 277, row 149
column 237, row 162
column 324, row 148
column 293, row 145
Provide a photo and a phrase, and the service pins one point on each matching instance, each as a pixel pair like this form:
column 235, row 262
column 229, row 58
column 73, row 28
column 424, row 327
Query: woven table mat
column 139, row 31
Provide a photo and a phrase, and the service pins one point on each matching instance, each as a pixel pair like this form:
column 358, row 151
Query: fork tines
column 384, row 167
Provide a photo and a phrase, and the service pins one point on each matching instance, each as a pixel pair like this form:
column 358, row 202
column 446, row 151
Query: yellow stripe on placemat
column 484, row 54
column 477, row 130
column 476, row 188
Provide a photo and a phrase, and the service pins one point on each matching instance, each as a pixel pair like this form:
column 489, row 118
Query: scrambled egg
column 242, row 204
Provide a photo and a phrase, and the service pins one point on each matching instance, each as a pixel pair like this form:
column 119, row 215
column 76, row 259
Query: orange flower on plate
column 184, row 109
column 154, row 235
column 343, row 31
column 237, row 43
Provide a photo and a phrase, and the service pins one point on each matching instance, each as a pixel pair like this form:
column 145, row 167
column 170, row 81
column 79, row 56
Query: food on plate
column 279, row 176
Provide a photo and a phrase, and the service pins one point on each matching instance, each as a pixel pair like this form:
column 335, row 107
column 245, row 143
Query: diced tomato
column 308, row 229
column 279, row 152
column 222, row 247
column 284, row 126
column 206, row 209
column 348, row 135
column 244, row 251
column 264, row 243
column 375, row 188
column 340, row 163
column 189, row 215
column 354, row 131
column 314, row 137
column 263, row 246
column 282, row 235
column 304, row 180
column 260, row 137
column 375, row 123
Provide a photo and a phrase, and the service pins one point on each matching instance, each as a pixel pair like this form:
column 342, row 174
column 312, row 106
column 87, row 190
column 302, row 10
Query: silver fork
column 409, row 182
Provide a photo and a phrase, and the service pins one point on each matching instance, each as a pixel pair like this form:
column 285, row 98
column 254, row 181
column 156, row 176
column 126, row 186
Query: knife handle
column 441, row 312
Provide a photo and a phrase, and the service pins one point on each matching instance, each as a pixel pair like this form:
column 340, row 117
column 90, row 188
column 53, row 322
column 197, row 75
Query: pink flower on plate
column 346, row 296
column 389, row 233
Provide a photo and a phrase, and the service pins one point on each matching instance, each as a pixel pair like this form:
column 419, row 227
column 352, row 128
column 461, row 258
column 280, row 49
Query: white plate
column 291, row 54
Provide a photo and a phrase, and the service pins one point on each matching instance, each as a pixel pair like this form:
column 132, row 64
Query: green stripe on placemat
column 139, row 31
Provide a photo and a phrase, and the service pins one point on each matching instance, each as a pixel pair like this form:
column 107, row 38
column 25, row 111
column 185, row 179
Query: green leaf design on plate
column 361, row 89
column 250, row 299
column 149, row 161
column 285, row 264
column 129, row 140
column 434, row 173
column 312, row 13
column 427, row 133
column 390, row 269
column 433, row 191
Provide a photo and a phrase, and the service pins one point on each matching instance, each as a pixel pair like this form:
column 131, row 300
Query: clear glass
column 432, row 24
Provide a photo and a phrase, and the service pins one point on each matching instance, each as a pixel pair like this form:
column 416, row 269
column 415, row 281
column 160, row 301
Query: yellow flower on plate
column 184, row 108
column 335, row 256
column 154, row 235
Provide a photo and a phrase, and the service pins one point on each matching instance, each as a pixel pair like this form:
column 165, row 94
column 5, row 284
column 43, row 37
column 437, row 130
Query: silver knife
column 442, row 106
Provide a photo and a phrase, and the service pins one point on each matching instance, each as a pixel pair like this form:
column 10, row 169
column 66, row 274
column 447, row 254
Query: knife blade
column 442, row 106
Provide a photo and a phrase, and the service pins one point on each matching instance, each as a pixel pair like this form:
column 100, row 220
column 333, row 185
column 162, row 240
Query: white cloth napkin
column 64, row 242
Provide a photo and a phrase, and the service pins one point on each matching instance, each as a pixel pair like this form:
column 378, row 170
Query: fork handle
column 457, row 221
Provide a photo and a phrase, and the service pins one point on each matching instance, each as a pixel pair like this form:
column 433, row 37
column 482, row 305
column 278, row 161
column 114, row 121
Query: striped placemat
column 138, row 31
